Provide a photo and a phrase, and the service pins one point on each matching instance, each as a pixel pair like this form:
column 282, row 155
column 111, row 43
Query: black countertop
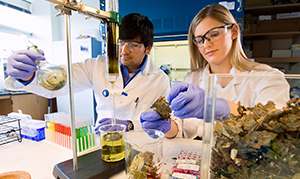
column 4, row 92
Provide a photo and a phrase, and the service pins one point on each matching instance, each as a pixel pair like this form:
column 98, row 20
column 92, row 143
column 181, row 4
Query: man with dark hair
column 133, row 24
column 140, row 78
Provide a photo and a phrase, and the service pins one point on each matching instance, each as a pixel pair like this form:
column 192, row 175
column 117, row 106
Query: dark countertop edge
column 14, row 93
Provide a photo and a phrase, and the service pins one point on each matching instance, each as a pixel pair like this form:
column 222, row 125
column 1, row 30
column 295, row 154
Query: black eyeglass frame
column 203, row 37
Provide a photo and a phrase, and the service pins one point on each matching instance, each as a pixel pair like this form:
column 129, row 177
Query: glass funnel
column 261, row 138
column 143, row 154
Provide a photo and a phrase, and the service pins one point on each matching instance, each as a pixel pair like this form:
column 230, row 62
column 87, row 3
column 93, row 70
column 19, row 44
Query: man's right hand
column 21, row 64
column 152, row 120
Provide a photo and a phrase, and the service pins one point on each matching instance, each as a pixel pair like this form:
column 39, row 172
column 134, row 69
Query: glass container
column 49, row 76
column 112, row 143
column 112, row 65
column 259, row 141
column 143, row 154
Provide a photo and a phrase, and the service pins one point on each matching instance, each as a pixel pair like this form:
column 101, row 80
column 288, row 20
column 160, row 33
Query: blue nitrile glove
column 21, row 63
column 187, row 100
column 152, row 120
column 105, row 121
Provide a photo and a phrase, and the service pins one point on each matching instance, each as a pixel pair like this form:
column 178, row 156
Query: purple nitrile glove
column 152, row 120
column 21, row 64
column 105, row 121
column 187, row 100
column 117, row 127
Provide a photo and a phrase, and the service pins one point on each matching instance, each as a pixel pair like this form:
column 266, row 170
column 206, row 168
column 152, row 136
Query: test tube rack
column 60, row 133
column 10, row 130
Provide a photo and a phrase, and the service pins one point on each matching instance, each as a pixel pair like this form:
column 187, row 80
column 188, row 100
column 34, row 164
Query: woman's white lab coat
column 249, row 91
column 147, row 85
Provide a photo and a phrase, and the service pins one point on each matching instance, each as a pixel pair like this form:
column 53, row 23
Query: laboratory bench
column 32, row 104
column 39, row 158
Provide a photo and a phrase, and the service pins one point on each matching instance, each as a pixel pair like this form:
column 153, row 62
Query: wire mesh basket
column 10, row 130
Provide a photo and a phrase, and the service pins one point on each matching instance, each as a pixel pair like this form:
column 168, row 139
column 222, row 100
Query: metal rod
column 82, row 9
column 73, row 129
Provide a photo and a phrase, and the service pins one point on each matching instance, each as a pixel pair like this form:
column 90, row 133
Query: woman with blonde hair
column 215, row 48
column 219, row 13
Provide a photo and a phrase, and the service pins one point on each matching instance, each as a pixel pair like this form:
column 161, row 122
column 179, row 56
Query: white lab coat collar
column 150, row 68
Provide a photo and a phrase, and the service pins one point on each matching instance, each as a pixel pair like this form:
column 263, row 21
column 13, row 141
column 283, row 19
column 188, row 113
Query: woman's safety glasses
column 133, row 46
column 212, row 35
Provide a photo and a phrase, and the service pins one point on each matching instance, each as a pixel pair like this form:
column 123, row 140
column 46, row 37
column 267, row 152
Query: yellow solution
column 112, row 147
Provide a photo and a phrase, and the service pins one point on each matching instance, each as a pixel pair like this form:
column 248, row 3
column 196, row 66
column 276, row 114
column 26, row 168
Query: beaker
column 143, row 154
column 112, row 143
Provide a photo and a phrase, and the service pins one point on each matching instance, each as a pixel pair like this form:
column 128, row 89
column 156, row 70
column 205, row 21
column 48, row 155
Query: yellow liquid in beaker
column 113, row 147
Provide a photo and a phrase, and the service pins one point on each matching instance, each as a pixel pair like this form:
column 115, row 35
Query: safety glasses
column 212, row 35
column 133, row 46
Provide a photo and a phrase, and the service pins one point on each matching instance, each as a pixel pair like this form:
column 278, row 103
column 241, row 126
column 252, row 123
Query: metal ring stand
column 90, row 165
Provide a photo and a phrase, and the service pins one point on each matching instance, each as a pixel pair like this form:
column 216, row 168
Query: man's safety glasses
column 133, row 46
column 212, row 35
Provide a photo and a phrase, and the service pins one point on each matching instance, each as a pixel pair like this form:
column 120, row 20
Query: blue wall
column 169, row 17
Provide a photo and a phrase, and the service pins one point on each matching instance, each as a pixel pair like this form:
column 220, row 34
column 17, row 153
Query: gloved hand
column 187, row 100
column 105, row 121
column 152, row 120
column 21, row 64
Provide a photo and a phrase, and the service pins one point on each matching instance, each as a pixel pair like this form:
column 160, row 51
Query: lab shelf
column 258, row 31
column 272, row 9
column 278, row 59
column 10, row 130
column 272, row 35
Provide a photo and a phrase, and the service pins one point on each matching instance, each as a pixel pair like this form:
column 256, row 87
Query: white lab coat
column 248, row 91
column 148, row 85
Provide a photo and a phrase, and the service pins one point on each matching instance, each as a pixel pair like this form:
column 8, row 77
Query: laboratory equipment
column 112, row 65
column 65, row 7
column 261, row 141
column 33, row 129
column 112, row 143
column 10, row 130
column 58, row 131
column 143, row 153
column 113, row 93
column 49, row 76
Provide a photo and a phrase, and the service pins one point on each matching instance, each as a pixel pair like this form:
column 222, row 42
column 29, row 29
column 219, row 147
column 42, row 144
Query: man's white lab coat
column 147, row 85
column 249, row 91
